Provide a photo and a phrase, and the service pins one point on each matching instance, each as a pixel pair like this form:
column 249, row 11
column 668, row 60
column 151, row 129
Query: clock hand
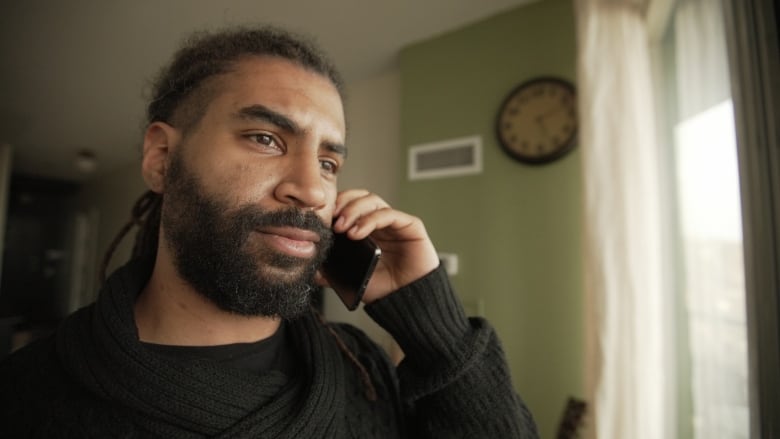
column 542, row 128
column 548, row 113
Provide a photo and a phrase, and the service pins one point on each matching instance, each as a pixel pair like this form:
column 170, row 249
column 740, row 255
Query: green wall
column 514, row 227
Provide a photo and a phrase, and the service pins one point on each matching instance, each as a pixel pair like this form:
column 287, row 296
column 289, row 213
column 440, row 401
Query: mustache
column 252, row 217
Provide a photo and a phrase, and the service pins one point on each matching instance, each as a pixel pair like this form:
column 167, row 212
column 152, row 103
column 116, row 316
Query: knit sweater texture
column 94, row 379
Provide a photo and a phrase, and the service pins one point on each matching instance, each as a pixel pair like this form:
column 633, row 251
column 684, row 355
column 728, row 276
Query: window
column 711, row 332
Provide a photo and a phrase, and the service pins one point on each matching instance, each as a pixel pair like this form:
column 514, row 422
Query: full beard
column 213, row 250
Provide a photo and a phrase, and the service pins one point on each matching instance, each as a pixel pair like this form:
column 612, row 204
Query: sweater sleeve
column 454, row 377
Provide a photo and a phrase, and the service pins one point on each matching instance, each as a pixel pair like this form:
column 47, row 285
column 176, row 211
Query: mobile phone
column 348, row 267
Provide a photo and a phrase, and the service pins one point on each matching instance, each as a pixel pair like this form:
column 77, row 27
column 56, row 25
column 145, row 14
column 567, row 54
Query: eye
column 329, row 166
column 263, row 139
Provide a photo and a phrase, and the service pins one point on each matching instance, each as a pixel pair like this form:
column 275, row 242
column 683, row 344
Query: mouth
column 291, row 241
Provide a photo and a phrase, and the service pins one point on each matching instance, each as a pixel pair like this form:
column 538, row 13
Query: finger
column 347, row 197
column 357, row 208
column 388, row 224
column 320, row 280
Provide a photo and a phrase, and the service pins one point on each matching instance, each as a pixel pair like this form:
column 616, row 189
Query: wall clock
column 537, row 121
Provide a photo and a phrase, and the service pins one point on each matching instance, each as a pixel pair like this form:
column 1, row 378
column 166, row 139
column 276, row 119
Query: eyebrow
column 262, row 113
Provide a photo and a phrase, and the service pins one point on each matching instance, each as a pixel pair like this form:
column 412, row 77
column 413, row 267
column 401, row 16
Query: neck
column 169, row 311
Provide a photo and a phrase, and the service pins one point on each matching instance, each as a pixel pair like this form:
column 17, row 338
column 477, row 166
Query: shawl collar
column 99, row 346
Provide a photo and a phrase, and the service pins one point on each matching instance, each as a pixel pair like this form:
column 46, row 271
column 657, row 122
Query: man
column 208, row 330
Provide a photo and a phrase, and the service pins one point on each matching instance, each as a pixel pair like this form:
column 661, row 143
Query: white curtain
column 710, row 223
column 627, row 366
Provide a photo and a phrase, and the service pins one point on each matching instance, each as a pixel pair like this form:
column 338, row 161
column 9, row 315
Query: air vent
column 448, row 158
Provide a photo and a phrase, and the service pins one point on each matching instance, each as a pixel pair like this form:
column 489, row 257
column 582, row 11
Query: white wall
column 373, row 136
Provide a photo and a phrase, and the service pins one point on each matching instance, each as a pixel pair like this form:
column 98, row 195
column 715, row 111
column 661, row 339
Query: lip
column 292, row 233
column 291, row 241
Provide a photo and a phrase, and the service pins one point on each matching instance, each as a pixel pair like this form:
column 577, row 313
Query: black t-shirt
column 272, row 353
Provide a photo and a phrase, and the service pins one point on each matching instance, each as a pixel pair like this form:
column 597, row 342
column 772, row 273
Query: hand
column 407, row 251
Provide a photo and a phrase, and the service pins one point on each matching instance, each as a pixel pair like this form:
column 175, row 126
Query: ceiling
column 74, row 74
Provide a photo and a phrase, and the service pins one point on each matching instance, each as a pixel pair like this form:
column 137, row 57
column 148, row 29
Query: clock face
column 537, row 122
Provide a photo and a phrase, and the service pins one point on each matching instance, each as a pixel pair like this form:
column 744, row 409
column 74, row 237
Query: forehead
column 308, row 97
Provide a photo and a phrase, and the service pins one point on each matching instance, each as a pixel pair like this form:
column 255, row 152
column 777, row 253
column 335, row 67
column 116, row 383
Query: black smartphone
column 349, row 266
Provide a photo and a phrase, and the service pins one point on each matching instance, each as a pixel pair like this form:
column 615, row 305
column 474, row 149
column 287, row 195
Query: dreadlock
column 181, row 94
column 146, row 215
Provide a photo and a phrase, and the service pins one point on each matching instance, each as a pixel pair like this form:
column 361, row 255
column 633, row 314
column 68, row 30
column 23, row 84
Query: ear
column 159, row 141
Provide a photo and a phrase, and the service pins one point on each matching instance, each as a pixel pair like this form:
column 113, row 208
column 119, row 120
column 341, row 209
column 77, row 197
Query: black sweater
column 94, row 378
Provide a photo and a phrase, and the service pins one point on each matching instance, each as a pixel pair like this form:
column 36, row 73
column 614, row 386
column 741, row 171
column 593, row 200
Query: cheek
column 251, row 183
column 238, row 183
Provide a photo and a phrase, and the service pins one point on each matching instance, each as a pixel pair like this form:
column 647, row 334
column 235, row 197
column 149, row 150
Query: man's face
column 250, row 191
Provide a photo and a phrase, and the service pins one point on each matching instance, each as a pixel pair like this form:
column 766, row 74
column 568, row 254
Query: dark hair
column 205, row 55
column 182, row 91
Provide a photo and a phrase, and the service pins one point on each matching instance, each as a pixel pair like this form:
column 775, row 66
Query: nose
column 301, row 184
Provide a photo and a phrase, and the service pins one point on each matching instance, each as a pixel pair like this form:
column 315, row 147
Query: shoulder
column 40, row 399
column 31, row 375
column 34, row 361
column 28, row 377
column 34, row 368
